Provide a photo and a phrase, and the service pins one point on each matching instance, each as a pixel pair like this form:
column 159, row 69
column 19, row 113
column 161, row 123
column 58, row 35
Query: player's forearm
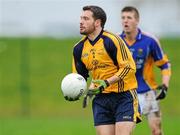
column 113, row 79
column 165, row 80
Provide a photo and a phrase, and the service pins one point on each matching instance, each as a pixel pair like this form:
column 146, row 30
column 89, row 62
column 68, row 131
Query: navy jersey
column 146, row 52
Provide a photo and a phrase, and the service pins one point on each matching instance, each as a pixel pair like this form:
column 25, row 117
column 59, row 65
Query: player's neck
column 94, row 34
column 131, row 36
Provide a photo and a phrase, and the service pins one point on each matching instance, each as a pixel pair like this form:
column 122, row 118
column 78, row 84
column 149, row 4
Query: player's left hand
column 90, row 93
column 163, row 92
column 102, row 84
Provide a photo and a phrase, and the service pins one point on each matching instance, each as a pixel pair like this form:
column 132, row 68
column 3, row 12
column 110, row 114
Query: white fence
column 60, row 18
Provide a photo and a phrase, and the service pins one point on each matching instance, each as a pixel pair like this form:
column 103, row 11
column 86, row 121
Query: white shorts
column 148, row 102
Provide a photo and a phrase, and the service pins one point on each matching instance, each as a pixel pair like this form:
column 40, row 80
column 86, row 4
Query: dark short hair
column 131, row 9
column 98, row 13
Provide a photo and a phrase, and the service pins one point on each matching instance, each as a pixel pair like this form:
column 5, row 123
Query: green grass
column 33, row 86
column 49, row 62
column 43, row 126
column 71, row 126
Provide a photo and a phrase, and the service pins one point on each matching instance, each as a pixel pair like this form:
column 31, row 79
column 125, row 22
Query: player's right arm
column 125, row 63
column 77, row 65
column 161, row 61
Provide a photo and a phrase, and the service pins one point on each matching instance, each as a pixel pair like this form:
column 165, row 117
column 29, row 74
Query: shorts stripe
column 136, row 117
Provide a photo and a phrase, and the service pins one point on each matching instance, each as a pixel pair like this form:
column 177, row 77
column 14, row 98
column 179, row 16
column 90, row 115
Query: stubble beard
column 87, row 32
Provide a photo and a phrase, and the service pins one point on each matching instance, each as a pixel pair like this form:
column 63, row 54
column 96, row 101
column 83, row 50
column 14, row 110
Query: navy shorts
column 109, row 108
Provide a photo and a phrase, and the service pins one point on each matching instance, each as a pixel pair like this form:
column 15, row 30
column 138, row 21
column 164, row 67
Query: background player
column 146, row 51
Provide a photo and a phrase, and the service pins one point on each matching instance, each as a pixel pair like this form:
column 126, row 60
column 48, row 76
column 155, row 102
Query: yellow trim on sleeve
column 73, row 66
column 162, row 62
column 166, row 72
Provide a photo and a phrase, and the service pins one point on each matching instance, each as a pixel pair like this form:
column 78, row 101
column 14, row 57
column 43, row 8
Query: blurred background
column 36, row 42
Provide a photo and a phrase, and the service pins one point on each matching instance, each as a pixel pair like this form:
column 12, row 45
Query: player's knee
column 156, row 132
column 156, row 127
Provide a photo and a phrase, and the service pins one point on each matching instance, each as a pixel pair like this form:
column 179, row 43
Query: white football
column 73, row 86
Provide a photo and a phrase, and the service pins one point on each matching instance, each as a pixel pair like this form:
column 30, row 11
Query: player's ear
column 97, row 23
column 138, row 20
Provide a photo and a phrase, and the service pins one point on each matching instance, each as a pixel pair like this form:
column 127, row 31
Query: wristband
column 107, row 83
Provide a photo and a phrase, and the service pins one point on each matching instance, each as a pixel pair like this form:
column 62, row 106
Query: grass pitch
column 30, row 99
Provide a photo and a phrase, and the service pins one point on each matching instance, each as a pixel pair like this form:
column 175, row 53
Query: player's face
column 129, row 22
column 87, row 23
